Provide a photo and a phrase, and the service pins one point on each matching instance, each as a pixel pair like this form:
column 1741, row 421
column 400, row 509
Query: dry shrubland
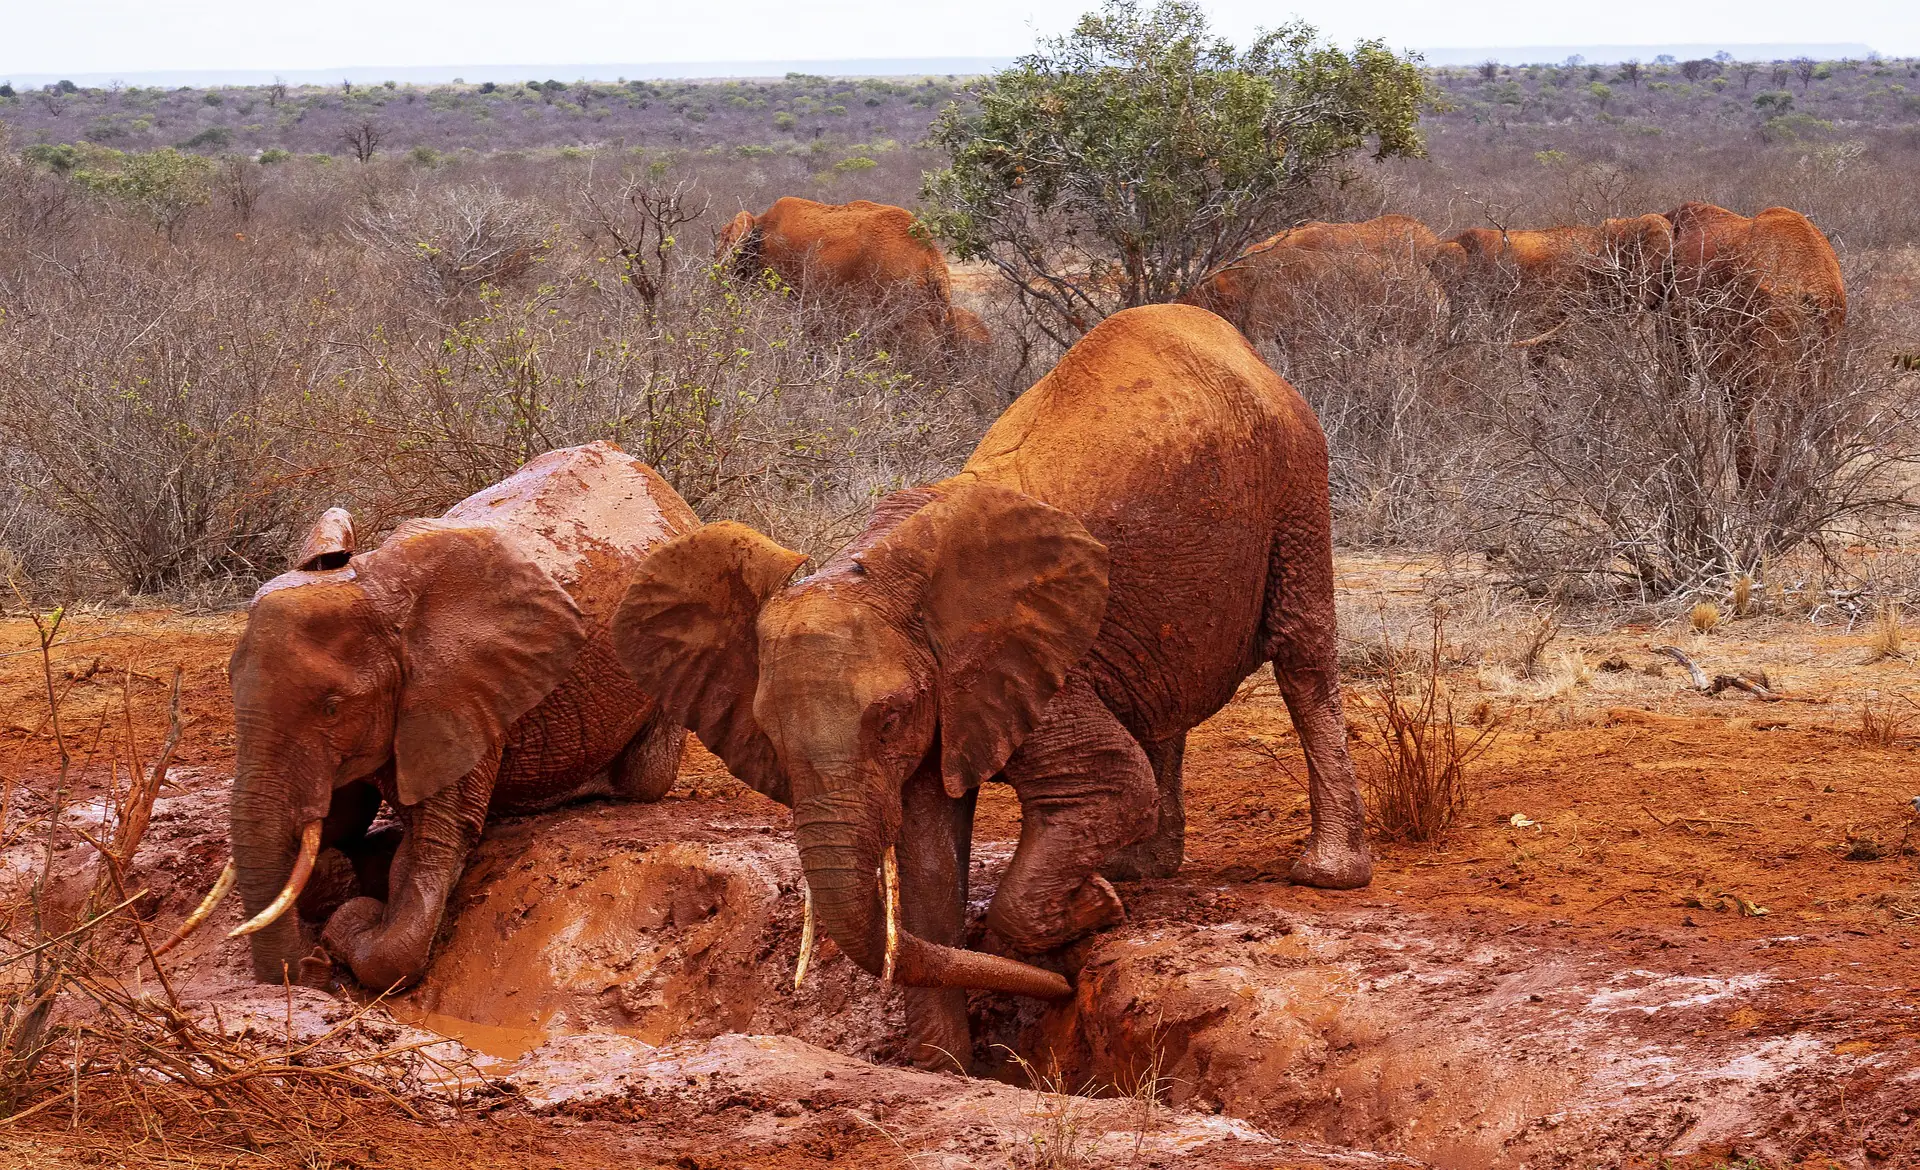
column 199, row 354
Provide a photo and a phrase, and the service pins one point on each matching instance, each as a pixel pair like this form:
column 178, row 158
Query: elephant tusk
column 296, row 881
column 806, row 938
column 890, row 890
column 203, row 912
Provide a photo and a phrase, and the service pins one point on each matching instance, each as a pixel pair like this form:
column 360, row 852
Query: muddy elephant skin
column 463, row 667
column 866, row 256
column 1142, row 529
column 1277, row 288
column 1530, row 285
column 1769, row 285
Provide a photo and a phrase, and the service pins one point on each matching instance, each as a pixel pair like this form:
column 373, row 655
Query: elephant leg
column 647, row 767
column 1086, row 788
column 1300, row 642
column 936, row 842
column 387, row 944
column 334, row 881
column 1159, row 855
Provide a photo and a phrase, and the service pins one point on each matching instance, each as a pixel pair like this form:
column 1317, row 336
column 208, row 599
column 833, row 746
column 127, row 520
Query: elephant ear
column 1014, row 593
column 685, row 632
column 484, row 635
column 329, row 543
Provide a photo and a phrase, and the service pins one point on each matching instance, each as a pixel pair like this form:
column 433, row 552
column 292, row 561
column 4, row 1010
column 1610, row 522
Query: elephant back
column 588, row 515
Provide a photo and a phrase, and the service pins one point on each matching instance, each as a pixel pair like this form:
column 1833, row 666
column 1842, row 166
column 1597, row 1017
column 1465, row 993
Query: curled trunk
column 840, row 847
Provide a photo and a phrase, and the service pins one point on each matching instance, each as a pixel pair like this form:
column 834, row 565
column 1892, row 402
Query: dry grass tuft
column 1742, row 595
column 1423, row 780
column 1704, row 618
column 1882, row 724
column 1888, row 639
column 1063, row 1134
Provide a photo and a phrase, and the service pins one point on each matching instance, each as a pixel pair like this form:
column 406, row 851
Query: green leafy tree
column 163, row 184
column 1120, row 164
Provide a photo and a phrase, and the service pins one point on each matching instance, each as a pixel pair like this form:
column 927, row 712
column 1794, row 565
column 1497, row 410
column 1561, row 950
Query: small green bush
column 273, row 156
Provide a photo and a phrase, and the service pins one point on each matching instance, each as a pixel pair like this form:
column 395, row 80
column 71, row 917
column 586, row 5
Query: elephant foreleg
column 1086, row 788
column 936, row 842
column 647, row 767
column 387, row 944
column 1159, row 855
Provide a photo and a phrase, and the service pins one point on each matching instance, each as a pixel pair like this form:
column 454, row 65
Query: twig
column 89, row 924
column 1699, row 677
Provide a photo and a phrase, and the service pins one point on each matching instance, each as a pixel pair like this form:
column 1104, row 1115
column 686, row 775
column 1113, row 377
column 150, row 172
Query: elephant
column 1279, row 288
column 1757, row 305
column 1140, row 530
column 870, row 257
column 463, row 668
column 1536, row 283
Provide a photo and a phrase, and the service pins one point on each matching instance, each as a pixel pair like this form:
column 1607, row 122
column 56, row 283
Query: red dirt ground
column 1672, row 930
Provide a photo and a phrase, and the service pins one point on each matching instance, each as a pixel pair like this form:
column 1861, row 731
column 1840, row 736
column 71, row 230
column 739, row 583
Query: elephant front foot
column 357, row 936
column 1093, row 906
column 1329, row 864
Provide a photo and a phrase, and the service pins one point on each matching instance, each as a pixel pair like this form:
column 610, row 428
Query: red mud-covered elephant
column 865, row 257
column 1285, row 286
column 1525, row 287
column 464, row 667
column 1141, row 530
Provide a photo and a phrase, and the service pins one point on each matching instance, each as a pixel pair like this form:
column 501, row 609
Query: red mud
column 1589, row 987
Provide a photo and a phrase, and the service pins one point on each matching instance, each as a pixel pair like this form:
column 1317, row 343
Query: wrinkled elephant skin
column 464, row 667
column 1143, row 528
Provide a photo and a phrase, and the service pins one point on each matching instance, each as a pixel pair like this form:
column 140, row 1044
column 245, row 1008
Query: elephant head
column 936, row 642
column 739, row 242
column 1637, row 260
column 418, row 656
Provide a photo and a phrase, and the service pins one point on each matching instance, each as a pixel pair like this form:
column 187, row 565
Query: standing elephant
column 1142, row 529
column 463, row 668
column 1758, row 304
column 1530, row 285
column 1326, row 273
column 867, row 256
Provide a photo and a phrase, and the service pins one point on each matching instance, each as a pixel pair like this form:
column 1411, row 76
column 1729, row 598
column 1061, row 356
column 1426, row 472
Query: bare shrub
column 452, row 241
column 1422, row 781
column 1640, row 464
column 1888, row 639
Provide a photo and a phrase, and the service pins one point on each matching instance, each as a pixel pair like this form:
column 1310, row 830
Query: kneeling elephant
column 1140, row 531
column 464, row 667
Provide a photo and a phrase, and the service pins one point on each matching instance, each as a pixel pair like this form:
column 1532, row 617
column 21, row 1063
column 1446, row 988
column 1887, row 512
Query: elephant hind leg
column 1301, row 643
column 1086, row 789
column 647, row 767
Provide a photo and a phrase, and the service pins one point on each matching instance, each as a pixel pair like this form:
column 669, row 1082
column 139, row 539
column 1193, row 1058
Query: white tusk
column 296, row 881
column 203, row 912
column 890, row 890
column 806, row 938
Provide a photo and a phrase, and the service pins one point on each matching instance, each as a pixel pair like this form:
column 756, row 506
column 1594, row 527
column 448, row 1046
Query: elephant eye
column 330, row 704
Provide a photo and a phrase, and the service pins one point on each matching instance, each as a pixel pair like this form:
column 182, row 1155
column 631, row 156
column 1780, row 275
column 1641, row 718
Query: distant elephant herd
column 1142, row 529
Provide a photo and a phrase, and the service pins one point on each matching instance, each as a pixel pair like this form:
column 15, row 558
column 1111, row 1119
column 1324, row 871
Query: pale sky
column 100, row 36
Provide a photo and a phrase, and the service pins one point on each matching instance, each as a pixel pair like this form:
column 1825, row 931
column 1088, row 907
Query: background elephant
column 1758, row 305
column 1280, row 288
column 867, row 256
column 464, row 667
column 1141, row 530
column 1526, row 286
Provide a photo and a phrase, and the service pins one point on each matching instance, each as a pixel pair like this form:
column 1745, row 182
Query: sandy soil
column 1671, row 929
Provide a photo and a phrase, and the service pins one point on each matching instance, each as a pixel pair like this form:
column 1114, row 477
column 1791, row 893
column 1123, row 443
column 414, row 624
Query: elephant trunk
column 840, row 850
column 267, row 832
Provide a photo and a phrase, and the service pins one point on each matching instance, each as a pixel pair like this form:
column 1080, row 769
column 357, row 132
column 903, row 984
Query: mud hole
column 1592, row 985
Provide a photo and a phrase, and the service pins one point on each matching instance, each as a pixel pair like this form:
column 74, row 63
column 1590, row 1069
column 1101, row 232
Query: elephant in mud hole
column 464, row 667
column 1141, row 530
column 867, row 256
